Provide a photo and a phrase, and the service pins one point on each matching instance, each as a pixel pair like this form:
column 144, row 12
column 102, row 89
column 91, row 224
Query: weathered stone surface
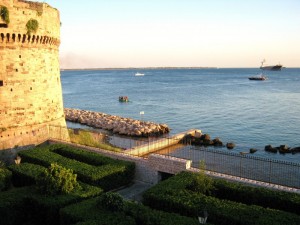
column 230, row 145
column 30, row 88
column 269, row 148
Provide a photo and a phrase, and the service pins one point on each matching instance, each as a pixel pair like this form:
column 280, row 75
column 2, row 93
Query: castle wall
column 30, row 86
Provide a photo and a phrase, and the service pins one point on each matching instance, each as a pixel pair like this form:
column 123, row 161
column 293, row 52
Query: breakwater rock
column 203, row 140
column 282, row 149
column 117, row 124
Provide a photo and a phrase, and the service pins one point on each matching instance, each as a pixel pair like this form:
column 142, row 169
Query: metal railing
column 247, row 166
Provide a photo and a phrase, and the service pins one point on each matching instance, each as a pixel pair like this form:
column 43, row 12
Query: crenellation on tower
column 30, row 88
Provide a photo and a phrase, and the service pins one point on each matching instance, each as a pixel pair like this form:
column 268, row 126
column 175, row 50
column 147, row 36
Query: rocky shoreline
column 116, row 124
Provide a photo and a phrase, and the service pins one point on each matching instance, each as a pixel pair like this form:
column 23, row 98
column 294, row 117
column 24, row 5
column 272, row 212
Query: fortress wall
column 20, row 12
column 30, row 86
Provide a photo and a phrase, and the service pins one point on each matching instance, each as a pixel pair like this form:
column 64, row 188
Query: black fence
column 242, row 165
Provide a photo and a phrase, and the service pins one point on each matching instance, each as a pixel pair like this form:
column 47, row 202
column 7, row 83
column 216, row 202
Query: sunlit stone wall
column 30, row 85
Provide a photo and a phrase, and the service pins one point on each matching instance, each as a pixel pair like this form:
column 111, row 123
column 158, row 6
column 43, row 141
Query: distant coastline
column 139, row 68
column 164, row 68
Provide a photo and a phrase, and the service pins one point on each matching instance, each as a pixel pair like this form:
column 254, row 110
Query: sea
column 220, row 102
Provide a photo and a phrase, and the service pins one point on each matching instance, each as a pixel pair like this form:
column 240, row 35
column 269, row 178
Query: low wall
column 168, row 164
column 160, row 144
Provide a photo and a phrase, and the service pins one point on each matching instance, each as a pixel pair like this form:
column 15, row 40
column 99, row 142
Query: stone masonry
column 30, row 86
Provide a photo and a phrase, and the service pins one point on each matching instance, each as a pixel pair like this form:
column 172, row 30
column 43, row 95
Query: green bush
column 32, row 26
column 173, row 195
column 5, row 178
column 250, row 195
column 12, row 206
column 144, row 215
column 202, row 183
column 111, row 201
column 85, row 156
column 88, row 212
column 25, row 174
column 2, row 164
column 57, row 180
column 4, row 14
column 108, row 176
column 27, row 206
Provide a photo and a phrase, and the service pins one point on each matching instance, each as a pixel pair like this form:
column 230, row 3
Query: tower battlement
column 30, row 86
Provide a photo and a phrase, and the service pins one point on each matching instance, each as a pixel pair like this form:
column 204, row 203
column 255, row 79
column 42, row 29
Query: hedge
column 87, row 212
column 88, row 157
column 108, row 177
column 251, row 195
column 172, row 195
column 25, row 174
column 27, row 206
column 5, row 178
column 12, row 207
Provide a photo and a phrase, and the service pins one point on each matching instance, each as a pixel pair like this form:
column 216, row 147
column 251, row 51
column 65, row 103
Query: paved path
column 135, row 191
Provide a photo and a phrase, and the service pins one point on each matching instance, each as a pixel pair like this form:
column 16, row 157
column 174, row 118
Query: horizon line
column 163, row 67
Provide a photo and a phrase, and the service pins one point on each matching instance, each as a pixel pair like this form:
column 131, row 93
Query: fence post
column 270, row 169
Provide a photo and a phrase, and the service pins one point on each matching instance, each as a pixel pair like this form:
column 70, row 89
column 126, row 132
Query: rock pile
column 120, row 125
column 204, row 140
column 282, row 149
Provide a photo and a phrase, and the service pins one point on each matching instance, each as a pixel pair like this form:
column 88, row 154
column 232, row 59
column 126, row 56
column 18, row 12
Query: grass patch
column 86, row 138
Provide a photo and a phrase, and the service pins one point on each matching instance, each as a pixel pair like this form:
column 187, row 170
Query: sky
column 178, row 33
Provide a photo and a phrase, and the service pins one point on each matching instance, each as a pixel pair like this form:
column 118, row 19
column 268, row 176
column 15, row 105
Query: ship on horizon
column 267, row 67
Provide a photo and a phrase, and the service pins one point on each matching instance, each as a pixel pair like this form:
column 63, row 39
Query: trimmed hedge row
column 12, row 206
column 88, row 157
column 5, row 178
column 25, row 174
column 108, row 177
column 172, row 195
column 87, row 213
column 289, row 202
column 26, row 205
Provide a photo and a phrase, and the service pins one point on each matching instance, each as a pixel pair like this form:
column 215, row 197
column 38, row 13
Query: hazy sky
column 150, row 33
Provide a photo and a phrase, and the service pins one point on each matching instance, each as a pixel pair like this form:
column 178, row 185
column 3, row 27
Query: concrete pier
column 161, row 143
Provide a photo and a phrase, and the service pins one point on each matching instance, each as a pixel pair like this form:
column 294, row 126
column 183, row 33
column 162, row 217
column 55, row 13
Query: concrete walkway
column 135, row 191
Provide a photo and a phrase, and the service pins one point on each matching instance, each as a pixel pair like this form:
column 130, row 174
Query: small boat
column 267, row 67
column 123, row 99
column 139, row 74
column 260, row 77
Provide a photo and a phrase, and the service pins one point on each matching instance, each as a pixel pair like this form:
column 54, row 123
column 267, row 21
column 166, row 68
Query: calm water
column 220, row 102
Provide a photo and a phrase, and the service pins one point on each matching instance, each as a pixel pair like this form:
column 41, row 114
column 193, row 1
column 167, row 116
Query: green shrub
column 5, row 178
column 250, row 195
column 2, row 164
column 4, row 14
column 111, row 201
column 12, row 206
column 27, row 206
column 32, row 26
column 87, row 213
column 85, row 156
column 173, row 195
column 144, row 215
column 108, row 176
column 25, row 174
column 201, row 182
column 57, row 180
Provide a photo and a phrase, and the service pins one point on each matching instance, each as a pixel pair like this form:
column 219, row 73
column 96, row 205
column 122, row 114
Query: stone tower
column 31, row 106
